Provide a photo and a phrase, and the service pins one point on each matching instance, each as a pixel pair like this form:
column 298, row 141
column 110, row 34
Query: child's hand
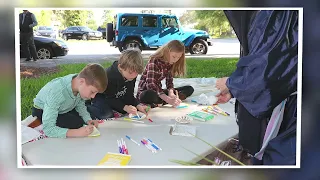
column 142, row 108
column 130, row 109
column 173, row 101
column 85, row 131
column 93, row 122
column 171, row 93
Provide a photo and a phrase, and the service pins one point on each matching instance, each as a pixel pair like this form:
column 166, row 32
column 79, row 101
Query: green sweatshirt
column 56, row 97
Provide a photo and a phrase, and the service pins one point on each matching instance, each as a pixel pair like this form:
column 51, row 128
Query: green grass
column 196, row 68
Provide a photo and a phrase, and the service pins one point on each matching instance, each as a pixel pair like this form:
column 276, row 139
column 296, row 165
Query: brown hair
column 179, row 68
column 95, row 75
column 132, row 60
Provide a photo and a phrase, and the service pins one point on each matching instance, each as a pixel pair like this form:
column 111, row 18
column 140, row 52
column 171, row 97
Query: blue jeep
column 150, row 31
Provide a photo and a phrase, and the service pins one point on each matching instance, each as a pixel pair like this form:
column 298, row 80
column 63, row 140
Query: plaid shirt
column 156, row 70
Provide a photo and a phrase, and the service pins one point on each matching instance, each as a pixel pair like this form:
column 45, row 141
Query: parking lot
column 99, row 51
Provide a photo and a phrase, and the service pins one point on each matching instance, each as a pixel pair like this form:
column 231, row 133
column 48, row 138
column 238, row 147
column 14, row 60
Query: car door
column 77, row 33
column 150, row 30
column 69, row 32
column 169, row 29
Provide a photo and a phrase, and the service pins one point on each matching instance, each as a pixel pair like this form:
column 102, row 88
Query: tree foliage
column 75, row 17
column 213, row 21
column 107, row 17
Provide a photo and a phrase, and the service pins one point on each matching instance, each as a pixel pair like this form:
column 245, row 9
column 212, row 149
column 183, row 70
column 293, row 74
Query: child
column 168, row 61
column 60, row 104
column 119, row 95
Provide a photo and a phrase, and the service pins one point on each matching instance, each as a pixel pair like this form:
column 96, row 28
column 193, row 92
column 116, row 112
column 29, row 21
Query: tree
column 188, row 17
column 75, row 18
column 214, row 21
column 107, row 17
column 43, row 17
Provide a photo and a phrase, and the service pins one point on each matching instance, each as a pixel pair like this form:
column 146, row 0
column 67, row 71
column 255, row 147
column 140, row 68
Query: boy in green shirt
column 60, row 104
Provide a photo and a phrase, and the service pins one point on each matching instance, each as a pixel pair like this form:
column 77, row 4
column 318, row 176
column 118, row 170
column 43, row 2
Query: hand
column 221, row 84
column 130, row 109
column 85, row 131
column 223, row 98
column 93, row 122
column 171, row 93
column 142, row 108
column 173, row 101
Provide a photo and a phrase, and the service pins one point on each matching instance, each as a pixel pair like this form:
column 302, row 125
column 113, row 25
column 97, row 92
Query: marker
column 150, row 120
column 148, row 142
column 132, row 140
column 125, row 146
column 155, row 144
column 148, row 108
column 120, row 150
column 147, row 147
column 223, row 112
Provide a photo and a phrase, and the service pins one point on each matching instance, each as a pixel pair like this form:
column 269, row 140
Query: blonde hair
column 163, row 53
column 132, row 60
column 95, row 75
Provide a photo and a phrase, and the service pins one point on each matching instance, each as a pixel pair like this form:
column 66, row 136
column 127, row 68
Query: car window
column 70, row 29
column 169, row 22
column 49, row 28
column 42, row 28
column 82, row 28
column 149, row 21
column 129, row 21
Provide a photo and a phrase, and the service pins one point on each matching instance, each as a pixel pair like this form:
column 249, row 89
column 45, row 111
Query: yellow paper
column 95, row 132
column 115, row 159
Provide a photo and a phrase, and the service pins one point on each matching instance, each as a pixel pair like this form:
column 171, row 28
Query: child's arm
column 82, row 110
column 129, row 98
column 169, row 82
column 49, row 118
column 153, row 73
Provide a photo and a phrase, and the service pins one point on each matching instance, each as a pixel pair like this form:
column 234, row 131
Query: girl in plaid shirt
column 167, row 62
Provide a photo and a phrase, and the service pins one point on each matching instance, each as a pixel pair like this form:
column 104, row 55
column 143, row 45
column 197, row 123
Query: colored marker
column 132, row 140
column 148, row 108
column 154, row 144
column 125, row 146
column 148, row 147
column 150, row 120
column 148, row 142
column 119, row 145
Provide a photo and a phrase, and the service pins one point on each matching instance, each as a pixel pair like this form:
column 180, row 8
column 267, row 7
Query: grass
column 196, row 68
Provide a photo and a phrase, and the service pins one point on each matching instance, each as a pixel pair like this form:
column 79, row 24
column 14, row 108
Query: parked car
column 150, row 31
column 61, row 31
column 103, row 31
column 81, row 32
column 48, row 47
column 46, row 31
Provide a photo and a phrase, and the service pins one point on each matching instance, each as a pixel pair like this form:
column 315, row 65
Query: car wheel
column 84, row 37
column 44, row 53
column 64, row 37
column 130, row 44
column 199, row 46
